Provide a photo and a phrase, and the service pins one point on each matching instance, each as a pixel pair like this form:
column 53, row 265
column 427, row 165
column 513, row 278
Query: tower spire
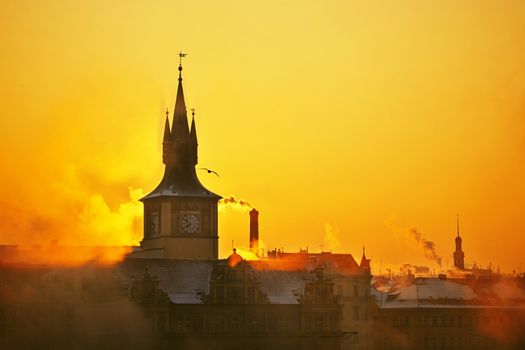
column 180, row 129
column 457, row 223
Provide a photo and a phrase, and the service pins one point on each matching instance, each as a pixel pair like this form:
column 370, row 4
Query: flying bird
column 210, row 171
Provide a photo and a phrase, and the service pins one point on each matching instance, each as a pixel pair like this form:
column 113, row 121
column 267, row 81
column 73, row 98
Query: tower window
column 340, row 290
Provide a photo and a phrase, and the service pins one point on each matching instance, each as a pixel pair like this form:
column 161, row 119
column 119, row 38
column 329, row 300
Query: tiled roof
column 436, row 292
column 183, row 279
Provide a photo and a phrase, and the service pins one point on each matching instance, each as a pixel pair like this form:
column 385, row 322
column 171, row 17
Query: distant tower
column 180, row 215
column 459, row 256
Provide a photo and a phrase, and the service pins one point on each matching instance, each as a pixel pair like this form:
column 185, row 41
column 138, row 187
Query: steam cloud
column 234, row 203
column 331, row 238
column 75, row 225
column 429, row 248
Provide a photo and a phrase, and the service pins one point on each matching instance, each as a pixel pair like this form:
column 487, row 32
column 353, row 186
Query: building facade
column 235, row 312
column 442, row 313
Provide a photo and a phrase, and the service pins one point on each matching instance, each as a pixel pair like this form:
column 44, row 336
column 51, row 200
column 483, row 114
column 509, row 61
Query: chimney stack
column 254, row 231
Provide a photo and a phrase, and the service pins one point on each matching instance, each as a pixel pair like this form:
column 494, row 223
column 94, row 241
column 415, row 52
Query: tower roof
column 180, row 178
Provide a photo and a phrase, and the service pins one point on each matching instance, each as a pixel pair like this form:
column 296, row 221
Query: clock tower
column 180, row 215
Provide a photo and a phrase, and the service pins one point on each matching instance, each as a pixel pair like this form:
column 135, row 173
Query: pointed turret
column 365, row 263
column 167, row 132
column 193, row 139
column 168, row 154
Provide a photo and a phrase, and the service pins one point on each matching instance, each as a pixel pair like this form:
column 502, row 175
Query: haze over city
column 344, row 124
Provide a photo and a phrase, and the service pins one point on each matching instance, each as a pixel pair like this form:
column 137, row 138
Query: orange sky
column 344, row 122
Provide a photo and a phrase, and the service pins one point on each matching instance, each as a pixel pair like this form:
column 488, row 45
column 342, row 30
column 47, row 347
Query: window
column 356, row 313
column 212, row 326
column 332, row 323
column 319, row 321
column 187, row 324
column 161, row 321
column 220, row 295
column 234, row 324
column 355, row 291
column 308, row 322
column 250, row 295
column 340, row 290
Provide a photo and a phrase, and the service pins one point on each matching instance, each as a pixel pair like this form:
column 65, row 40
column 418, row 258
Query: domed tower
column 180, row 215
column 459, row 256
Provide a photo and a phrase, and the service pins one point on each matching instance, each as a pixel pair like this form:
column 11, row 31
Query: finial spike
column 167, row 112
column 457, row 223
column 181, row 55
column 193, row 112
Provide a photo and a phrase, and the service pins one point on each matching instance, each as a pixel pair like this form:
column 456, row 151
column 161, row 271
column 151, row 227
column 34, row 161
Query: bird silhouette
column 210, row 171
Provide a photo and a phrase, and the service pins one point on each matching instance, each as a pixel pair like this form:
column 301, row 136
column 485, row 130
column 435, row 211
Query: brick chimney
column 254, row 231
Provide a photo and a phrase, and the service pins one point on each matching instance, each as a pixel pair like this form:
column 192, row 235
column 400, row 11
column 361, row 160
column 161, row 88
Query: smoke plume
column 429, row 248
column 234, row 203
column 331, row 238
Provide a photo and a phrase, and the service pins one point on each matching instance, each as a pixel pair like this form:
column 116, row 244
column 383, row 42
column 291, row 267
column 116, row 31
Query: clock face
column 190, row 222
column 154, row 223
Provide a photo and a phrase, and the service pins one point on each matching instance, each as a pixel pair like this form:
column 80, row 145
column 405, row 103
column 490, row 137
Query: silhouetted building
column 180, row 215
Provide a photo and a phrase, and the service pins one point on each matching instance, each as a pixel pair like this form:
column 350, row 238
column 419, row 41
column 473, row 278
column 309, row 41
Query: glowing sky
column 354, row 120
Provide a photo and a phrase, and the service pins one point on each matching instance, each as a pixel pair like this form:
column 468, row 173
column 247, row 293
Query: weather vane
column 181, row 55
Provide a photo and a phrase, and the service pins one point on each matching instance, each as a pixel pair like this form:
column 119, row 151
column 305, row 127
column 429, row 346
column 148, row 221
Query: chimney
column 254, row 231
